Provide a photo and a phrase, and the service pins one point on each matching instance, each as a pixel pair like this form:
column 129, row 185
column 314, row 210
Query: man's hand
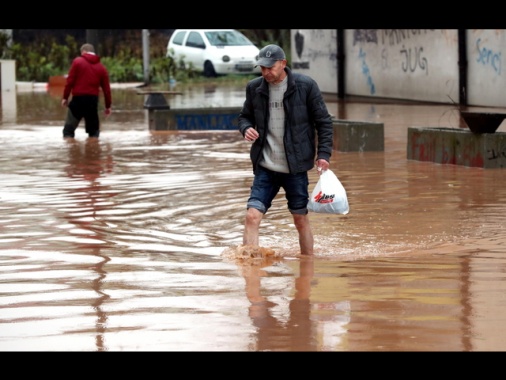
column 322, row 165
column 107, row 112
column 64, row 102
column 251, row 134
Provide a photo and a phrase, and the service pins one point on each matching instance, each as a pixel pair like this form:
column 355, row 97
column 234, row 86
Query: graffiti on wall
column 494, row 155
column 411, row 55
column 394, row 37
column 306, row 53
column 299, row 49
column 365, row 35
column 388, row 37
column 366, row 72
column 487, row 57
column 413, row 60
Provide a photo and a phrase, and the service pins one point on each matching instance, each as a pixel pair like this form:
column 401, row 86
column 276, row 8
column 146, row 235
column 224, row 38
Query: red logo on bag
column 323, row 198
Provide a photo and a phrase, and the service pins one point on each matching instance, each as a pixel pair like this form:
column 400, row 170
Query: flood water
column 122, row 243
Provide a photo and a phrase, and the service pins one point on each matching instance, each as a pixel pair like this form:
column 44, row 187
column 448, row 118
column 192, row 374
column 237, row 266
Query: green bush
column 45, row 58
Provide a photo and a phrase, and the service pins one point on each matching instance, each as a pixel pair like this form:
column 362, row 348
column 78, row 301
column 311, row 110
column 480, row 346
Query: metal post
column 462, row 67
column 145, row 54
column 93, row 38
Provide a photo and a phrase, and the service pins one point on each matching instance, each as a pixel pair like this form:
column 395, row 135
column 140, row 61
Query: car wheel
column 209, row 71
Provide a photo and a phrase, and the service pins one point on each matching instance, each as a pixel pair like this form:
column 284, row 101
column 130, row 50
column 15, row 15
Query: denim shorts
column 267, row 183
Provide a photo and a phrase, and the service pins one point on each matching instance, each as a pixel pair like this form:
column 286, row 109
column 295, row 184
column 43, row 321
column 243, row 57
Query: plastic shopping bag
column 329, row 195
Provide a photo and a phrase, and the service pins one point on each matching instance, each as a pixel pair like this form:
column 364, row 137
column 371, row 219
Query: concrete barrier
column 457, row 147
column 162, row 117
column 7, row 75
column 358, row 136
column 349, row 135
column 219, row 118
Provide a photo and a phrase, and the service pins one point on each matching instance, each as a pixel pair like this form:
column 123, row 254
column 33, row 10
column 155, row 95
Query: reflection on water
column 117, row 243
column 273, row 332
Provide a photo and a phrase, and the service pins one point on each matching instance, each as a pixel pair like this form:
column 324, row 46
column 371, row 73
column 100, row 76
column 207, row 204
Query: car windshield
column 227, row 38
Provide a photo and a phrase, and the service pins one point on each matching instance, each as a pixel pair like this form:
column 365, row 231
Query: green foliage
column 32, row 66
column 5, row 41
column 39, row 61
column 45, row 58
column 124, row 69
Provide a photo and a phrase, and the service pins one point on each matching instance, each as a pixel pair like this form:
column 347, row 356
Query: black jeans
column 82, row 106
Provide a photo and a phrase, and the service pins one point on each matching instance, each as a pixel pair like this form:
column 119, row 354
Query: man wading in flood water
column 285, row 117
column 85, row 78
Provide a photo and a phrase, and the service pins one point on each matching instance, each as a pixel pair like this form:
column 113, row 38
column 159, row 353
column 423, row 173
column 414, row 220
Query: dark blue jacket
column 308, row 124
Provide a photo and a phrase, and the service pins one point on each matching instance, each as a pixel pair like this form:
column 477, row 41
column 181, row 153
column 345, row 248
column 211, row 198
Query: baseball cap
column 269, row 54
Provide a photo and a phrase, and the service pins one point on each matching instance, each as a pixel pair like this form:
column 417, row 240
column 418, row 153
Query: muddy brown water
column 119, row 244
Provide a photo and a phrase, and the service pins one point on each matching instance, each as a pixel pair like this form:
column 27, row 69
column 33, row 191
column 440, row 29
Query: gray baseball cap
column 269, row 54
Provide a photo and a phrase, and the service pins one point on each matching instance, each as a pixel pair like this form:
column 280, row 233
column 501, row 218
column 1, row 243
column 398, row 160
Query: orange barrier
column 58, row 80
column 56, row 84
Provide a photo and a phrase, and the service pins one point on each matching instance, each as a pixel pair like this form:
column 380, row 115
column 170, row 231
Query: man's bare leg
column 251, row 226
column 306, row 241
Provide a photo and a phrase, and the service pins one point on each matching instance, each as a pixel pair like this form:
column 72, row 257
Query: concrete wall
column 486, row 77
column 412, row 64
column 314, row 52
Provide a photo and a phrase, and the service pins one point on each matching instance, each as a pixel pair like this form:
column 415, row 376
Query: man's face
column 274, row 74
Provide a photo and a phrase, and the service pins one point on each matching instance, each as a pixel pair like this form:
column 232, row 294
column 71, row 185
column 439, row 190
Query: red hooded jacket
column 86, row 76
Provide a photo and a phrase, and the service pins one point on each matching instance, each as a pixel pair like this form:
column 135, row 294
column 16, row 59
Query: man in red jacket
column 86, row 77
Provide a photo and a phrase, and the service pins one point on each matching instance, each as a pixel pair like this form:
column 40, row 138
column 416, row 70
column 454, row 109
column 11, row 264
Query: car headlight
column 225, row 58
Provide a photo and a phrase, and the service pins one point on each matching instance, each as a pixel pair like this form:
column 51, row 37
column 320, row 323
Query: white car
column 213, row 52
